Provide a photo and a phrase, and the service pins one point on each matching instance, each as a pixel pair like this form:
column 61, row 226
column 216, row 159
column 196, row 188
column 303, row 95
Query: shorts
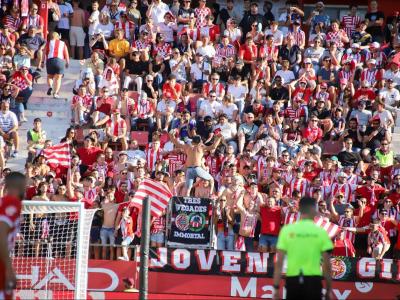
column 95, row 234
column 267, row 240
column 127, row 241
column 55, row 66
column 157, row 237
column 107, row 234
column 64, row 33
column 77, row 36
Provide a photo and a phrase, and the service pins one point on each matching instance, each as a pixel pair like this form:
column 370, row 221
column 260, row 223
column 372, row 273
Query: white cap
column 371, row 61
column 307, row 60
column 355, row 45
column 375, row 45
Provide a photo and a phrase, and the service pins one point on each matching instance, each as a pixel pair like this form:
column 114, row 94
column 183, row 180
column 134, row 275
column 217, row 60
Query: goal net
column 50, row 257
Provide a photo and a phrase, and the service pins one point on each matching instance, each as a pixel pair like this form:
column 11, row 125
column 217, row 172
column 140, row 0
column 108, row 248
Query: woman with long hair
column 57, row 60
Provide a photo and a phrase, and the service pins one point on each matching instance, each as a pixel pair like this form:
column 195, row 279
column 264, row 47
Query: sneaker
column 56, row 96
column 123, row 258
column 49, row 91
column 14, row 154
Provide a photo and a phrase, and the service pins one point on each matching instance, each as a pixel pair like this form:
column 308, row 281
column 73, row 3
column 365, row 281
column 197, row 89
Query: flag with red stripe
column 331, row 228
column 157, row 193
column 58, row 155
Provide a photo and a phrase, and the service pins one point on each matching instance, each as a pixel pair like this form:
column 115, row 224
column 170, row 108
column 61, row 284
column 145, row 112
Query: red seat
column 142, row 137
column 331, row 147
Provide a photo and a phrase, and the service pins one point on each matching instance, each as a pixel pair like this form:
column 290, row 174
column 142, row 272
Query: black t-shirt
column 289, row 54
column 147, row 90
column 235, row 71
column 375, row 142
column 204, row 132
column 277, row 93
column 372, row 17
column 184, row 13
column 353, row 135
column 323, row 114
column 363, row 39
column 349, row 158
column 136, row 67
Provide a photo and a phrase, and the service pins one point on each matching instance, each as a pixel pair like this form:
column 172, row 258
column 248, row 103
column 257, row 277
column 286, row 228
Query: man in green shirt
column 304, row 243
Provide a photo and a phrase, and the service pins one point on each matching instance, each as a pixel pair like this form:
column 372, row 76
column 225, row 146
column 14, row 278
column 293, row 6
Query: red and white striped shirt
column 380, row 58
column 35, row 21
column 262, row 167
column 298, row 185
column 290, row 217
column 56, row 49
column 163, row 50
column 348, row 223
column 299, row 37
column 116, row 126
column 141, row 45
column 176, row 161
column 152, row 156
column 346, row 189
column 143, row 109
column 270, row 53
column 225, row 52
column 13, row 24
column 127, row 27
column 350, row 23
column 379, row 237
column 218, row 88
column 371, row 76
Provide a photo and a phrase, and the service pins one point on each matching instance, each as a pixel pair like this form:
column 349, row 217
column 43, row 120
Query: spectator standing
column 57, row 60
column 63, row 26
column 375, row 19
column 76, row 34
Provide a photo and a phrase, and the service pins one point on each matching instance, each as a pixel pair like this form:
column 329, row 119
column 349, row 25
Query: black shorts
column 95, row 234
column 55, row 66
column 64, row 33
column 309, row 287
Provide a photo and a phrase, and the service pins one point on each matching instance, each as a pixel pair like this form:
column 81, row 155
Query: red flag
column 156, row 192
column 58, row 155
column 331, row 228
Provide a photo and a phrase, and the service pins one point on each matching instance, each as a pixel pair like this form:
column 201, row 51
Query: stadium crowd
column 283, row 105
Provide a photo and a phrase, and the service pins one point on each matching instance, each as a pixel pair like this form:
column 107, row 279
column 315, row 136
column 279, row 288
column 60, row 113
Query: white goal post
column 50, row 256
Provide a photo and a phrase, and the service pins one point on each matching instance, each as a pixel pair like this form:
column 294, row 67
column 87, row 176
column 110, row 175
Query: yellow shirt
column 118, row 48
column 304, row 242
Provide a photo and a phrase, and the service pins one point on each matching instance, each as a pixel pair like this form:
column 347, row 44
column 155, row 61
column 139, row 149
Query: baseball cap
column 116, row 111
column 334, row 158
column 307, row 61
column 324, row 84
column 371, row 61
column 342, row 174
column 343, row 81
column 355, row 45
column 122, row 153
column 375, row 45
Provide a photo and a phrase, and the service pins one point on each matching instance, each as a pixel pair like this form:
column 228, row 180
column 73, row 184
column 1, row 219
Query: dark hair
column 307, row 205
column 37, row 120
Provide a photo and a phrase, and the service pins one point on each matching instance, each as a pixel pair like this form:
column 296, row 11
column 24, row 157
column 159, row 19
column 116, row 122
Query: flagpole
column 144, row 250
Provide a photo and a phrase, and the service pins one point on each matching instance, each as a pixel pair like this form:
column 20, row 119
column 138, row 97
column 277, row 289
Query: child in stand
column 157, row 231
column 126, row 226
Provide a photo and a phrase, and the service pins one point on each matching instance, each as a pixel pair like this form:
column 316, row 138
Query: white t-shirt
column 278, row 36
column 238, row 92
column 8, row 120
column 395, row 76
column 390, row 97
column 210, row 109
column 167, row 30
column 287, row 76
column 65, row 8
column 229, row 110
column 208, row 51
column 107, row 29
column 95, row 18
column 180, row 72
column 384, row 116
column 158, row 12
column 195, row 70
column 162, row 106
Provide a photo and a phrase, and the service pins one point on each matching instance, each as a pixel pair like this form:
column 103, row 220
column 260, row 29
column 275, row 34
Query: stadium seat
column 142, row 137
column 331, row 147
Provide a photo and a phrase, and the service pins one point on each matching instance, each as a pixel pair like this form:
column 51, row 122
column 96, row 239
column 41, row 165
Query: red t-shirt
column 119, row 196
column 270, row 220
column 10, row 211
column 88, row 155
column 30, row 192
column 167, row 88
column 395, row 197
column 365, row 192
column 366, row 218
column 245, row 52
column 312, row 134
column 344, row 248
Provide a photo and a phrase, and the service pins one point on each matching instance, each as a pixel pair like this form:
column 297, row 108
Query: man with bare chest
column 195, row 152
column 76, row 33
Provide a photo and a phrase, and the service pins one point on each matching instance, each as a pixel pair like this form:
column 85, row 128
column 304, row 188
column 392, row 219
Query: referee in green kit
column 304, row 244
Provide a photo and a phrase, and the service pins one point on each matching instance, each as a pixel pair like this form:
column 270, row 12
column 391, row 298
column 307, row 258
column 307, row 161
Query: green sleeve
column 326, row 242
column 282, row 240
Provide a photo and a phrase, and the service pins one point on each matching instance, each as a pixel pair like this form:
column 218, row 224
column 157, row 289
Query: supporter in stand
column 256, row 118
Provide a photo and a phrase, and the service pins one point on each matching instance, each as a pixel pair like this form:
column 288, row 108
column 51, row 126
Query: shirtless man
column 76, row 33
column 233, row 192
column 202, row 189
column 195, row 153
column 110, row 209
